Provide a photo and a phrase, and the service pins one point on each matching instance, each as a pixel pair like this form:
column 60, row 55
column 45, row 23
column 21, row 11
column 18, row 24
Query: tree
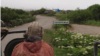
column 95, row 10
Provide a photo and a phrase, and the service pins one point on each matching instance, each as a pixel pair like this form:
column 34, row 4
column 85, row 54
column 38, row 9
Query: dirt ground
column 86, row 29
column 44, row 21
column 47, row 22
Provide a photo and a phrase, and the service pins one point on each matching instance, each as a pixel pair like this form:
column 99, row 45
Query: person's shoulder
column 47, row 48
column 46, row 44
column 19, row 44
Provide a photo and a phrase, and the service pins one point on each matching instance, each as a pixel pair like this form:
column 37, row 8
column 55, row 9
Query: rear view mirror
column 2, row 24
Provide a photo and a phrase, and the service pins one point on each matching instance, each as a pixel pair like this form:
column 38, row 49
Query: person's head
column 34, row 29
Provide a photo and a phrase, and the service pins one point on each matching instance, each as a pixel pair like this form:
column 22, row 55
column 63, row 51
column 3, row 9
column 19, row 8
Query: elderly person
column 33, row 44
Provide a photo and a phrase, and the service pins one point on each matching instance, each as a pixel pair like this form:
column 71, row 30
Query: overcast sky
column 50, row 4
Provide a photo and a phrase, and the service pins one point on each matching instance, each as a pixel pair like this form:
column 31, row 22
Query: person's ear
column 25, row 36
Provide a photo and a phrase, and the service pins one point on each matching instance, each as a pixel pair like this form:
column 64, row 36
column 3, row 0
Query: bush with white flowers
column 74, row 44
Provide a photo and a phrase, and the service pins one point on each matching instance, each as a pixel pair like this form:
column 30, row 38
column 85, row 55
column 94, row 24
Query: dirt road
column 86, row 29
column 45, row 21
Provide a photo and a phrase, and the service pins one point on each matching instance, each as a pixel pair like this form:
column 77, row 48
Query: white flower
column 69, row 54
column 85, row 52
column 70, row 47
column 79, row 46
column 57, row 40
column 62, row 29
column 62, row 46
column 89, row 47
column 90, row 43
column 91, row 36
column 72, row 36
column 80, row 41
column 99, row 45
column 79, row 34
column 81, row 37
column 63, row 39
column 58, row 46
column 84, row 41
column 67, row 31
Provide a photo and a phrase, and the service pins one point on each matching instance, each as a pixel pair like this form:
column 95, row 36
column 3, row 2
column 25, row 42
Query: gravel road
column 45, row 22
column 86, row 29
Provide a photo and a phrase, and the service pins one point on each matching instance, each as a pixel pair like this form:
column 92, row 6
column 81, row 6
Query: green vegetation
column 66, row 43
column 92, row 13
column 89, row 16
column 48, row 38
column 14, row 17
column 62, row 17
column 40, row 11
column 51, row 14
column 78, row 16
column 92, row 22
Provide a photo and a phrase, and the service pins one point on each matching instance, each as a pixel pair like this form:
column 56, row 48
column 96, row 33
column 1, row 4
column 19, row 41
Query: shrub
column 40, row 11
column 21, row 21
column 95, row 10
column 74, row 44
column 14, row 17
column 62, row 17
column 79, row 16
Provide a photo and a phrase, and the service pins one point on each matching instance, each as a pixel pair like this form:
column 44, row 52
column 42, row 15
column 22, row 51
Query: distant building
column 56, row 10
column 48, row 11
column 65, row 12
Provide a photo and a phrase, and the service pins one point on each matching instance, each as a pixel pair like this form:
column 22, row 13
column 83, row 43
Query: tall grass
column 62, row 17
column 48, row 38
column 92, row 22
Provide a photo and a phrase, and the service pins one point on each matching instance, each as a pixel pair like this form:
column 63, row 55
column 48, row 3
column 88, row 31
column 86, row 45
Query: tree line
column 13, row 17
column 82, row 15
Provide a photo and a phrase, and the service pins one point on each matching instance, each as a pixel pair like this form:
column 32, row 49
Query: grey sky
column 50, row 4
